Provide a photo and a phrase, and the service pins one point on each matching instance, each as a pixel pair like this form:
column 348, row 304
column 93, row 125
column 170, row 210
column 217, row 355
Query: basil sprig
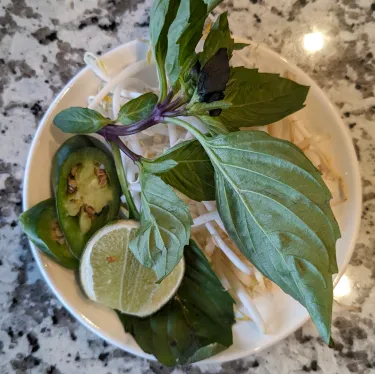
column 275, row 206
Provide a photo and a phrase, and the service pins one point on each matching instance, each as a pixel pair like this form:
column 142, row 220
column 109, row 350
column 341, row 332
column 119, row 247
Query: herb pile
column 271, row 199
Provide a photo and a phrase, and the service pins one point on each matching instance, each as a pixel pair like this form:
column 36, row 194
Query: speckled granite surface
column 41, row 47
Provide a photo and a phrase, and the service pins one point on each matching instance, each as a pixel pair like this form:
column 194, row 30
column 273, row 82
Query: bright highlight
column 313, row 42
column 343, row 288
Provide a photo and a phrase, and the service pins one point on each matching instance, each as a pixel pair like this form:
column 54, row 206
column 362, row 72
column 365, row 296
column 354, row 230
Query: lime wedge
column 111, row 275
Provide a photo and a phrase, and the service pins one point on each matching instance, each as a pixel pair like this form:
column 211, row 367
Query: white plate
column 282, row 314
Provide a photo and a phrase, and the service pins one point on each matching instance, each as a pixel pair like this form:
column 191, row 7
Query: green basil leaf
column 158, row 166
column 260, row 98
column 239, row 46
column 207, row 352
column 78, row 120
column 194, row 175
column 275, row 206
column 158, row 21
column 188, row 78
column 195, row 324
column 165, row 227
column 218, row 37
column 162, row 14
column 184, row 35
column 138, row 109
column 215, row 126
column 177, row 29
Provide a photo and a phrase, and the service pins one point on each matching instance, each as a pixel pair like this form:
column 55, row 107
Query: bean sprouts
column 129, row 71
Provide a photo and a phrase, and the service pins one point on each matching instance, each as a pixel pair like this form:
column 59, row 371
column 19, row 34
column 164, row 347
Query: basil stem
column 133, row 211
column 163, row 84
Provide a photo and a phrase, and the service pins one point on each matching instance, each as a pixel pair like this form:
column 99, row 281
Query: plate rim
column 237, row 354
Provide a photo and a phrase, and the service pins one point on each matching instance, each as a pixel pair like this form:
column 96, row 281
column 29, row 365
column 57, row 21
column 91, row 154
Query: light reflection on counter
column 343, row 288
column 313, row 42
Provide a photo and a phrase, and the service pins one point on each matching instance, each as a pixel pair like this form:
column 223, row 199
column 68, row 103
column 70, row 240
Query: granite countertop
column 41, row 47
